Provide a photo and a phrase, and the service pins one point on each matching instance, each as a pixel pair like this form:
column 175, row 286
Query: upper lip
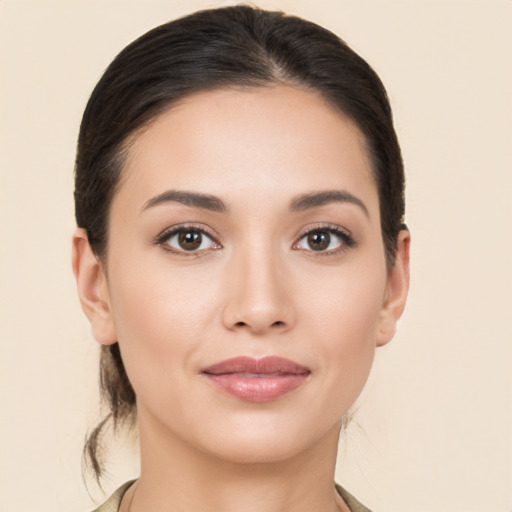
column 273, row 365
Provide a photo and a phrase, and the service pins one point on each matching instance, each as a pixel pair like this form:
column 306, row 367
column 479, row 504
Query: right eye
column 188, row 240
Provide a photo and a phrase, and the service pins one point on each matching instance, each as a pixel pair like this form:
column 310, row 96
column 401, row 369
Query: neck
column 176, row 476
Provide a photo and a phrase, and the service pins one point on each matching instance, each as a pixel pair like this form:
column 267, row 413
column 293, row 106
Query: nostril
column 278, row 323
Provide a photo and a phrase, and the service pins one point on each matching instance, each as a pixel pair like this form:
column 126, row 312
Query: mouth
column 257, row 380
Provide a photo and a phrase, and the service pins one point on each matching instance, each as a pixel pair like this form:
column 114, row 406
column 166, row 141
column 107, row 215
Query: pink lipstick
column 257, row 380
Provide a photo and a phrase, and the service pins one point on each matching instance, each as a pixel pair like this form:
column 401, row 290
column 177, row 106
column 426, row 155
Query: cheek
column 345, row 318
column 348, row 304
column 159, row 317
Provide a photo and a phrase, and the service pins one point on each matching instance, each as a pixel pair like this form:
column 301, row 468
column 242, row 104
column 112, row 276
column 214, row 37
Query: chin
column 267, row 444
column 255, row 452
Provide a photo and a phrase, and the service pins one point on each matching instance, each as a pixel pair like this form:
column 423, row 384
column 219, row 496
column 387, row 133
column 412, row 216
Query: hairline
column 121, row 153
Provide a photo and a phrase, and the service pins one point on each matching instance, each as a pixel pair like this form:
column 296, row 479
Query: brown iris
column 190, row 240
column 319, row 241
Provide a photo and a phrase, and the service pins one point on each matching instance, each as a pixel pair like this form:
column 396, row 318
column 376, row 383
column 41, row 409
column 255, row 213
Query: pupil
column 319, row 241
column 190, row 240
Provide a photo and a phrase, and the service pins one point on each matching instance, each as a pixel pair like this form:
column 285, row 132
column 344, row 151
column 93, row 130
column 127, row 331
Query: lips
column 257, row 380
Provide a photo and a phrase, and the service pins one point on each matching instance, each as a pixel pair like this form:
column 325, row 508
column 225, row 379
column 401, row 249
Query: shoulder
column 112, row 504
column 353, row 504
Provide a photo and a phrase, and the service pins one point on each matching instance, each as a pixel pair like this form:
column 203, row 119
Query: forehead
column 250, row 140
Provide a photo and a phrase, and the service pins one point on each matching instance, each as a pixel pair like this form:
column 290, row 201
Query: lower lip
column 258, row 389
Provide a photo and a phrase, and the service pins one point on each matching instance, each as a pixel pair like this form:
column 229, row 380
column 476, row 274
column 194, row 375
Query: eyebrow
column 195, row 199
column 215, row 204
column 325, row 197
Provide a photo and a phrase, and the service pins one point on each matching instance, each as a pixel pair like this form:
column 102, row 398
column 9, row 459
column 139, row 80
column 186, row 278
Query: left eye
column 190, row 240
column 321, row 241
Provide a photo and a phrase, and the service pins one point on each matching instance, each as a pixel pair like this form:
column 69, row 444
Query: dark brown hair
column 213, row 49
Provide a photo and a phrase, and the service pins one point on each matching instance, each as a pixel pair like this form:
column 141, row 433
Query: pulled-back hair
column 237, row 46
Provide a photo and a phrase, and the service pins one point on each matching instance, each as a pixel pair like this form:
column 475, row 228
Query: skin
column 256, row 289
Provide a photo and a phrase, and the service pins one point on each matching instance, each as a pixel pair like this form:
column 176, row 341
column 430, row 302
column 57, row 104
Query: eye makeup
column 323, row 239
column 187, row 240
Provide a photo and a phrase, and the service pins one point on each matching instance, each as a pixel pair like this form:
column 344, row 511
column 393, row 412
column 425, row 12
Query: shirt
column 113, row 503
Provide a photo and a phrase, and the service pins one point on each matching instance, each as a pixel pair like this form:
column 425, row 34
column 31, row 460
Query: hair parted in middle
column 229, row 47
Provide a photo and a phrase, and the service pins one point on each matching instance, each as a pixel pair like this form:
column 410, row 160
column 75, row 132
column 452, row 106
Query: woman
column 240, row 253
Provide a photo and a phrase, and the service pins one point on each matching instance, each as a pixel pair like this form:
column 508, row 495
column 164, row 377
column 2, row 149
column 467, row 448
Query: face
column 246, row 279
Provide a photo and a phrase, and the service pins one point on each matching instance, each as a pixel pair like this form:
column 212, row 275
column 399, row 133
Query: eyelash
column 165, row 236
column 347, row 241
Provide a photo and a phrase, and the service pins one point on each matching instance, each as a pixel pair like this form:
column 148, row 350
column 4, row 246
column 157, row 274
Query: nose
column 259, row 295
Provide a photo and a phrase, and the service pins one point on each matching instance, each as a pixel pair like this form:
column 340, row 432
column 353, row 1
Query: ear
column 396, row 290
column 92, row 289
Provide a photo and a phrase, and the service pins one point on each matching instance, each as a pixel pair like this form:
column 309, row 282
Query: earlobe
column 396, row 290
column 92, row 289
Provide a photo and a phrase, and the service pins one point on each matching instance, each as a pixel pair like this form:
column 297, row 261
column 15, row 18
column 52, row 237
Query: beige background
column 433, row 433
